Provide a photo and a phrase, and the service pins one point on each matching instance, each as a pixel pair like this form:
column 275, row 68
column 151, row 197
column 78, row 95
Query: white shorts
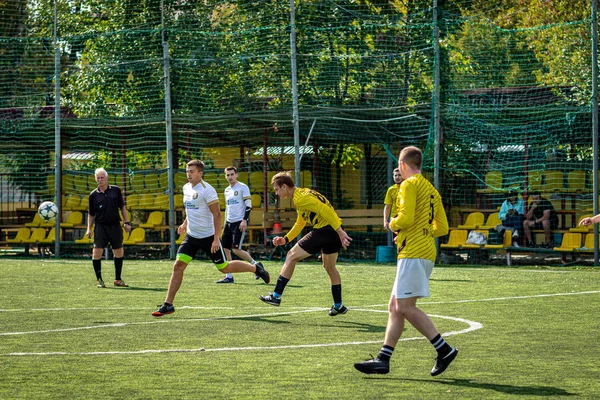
column 412, row 278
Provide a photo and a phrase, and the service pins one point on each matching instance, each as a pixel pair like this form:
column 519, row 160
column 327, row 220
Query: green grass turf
column 61, row 337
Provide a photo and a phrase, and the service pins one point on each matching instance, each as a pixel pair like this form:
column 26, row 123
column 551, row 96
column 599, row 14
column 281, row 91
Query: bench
column 361, row 218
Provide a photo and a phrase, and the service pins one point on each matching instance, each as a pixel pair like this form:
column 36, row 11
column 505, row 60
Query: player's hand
column 586, row 222
column 344, row 238
column 88, row 233
column 278, row 241
column 215, row 246
column 181, row 228
column 386, row 225
column 243, row 225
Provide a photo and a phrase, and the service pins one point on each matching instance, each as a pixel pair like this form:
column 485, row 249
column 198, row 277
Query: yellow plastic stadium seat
column 80, row 184
column 75, row 218
column 136, row 184
column 138, row 235
column 161, row 202
column 92, row 184
column 163, row 181
column 67, row 183
column 22, row 234
column 180, row 179
column 85, row 240
column 534, row 179
column 493, row 182
column 256, row 182
column 51, row 236
column 576, row 181
column 222, row 203
column 476, row 246
column 73, row 201
column 474, row 220
column 570, row 242
column 126, row 235
column 492, row 221
column 256, row 200
column 178, row 200
column 132, row 201
column 50, row 184
column 212, row 178
column 506, row 242
column 270, row 175
column 155, row 218
column 151, row 183
column 305, row 179
column 84, row 205
column 588, row 246
column 37, row 220
column 554, row 181
column 145, row 202
column 582, row 229
column 37, row 235
column 456, row 240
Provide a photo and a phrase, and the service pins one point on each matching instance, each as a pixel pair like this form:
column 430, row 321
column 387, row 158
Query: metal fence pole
column 595, row 117
column 294, row 92
column 57, row 136
column 169, row 131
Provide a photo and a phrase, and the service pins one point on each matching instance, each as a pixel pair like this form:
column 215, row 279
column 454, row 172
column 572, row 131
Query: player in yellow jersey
column 390, row 209
column 421, row 218
column 327, row 237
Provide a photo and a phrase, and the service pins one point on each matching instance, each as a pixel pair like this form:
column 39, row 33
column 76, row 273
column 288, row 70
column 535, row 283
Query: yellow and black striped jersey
column 421, row 218
column 314, row 208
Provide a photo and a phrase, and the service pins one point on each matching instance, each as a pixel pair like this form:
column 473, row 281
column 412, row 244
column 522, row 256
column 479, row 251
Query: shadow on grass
column 138, row 288
column 450, row 280
column 508, row 389
column 361, row 327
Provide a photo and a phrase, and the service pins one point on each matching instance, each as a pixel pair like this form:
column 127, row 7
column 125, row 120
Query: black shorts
column 105, row 234
column 232, row 236
column 540, row 225
column 190, row 246
column 324, row 240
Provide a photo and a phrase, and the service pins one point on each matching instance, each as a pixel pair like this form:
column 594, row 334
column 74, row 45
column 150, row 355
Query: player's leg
column 100, row 242
column 185, row 254
column 329, row 263
column 116, row 242
column 228, row 278
column 226, row 244
column 218, row 258
column 296, row 254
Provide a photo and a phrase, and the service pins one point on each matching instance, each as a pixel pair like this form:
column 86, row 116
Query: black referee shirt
column 105, row 206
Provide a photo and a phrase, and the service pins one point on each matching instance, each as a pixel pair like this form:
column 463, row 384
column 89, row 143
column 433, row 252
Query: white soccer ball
column 48, row 211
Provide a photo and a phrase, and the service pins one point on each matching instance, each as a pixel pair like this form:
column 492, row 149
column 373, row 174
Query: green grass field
column 522, row 333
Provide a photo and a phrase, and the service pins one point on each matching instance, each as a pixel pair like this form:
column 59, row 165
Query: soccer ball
column 48, row 211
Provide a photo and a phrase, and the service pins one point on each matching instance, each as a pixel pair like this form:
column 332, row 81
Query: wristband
column 127, row 223
column 286, row 239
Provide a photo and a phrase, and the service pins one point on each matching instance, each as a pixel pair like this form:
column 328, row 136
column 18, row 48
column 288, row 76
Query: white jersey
column 200, row 221
column 235, row 197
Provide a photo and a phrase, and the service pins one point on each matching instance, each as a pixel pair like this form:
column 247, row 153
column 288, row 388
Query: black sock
column 97, row 268
column 440, row 345
column 336, row 291
column 385, row 353
column 280, row 285
column 118, row 268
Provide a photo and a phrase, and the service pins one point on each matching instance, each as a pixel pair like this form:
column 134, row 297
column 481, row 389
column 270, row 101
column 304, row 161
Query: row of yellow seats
column 157, row 183
column 544, row 181
column 34, row 236
column 75, row 218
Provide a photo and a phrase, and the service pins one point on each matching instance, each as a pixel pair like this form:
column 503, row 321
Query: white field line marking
column 303, row 308
column 161, row 321
column 533, row 296
column 472, row 326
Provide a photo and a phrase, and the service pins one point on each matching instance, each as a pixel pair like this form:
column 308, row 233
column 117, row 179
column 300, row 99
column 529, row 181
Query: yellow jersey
column 314, row 208
column 421, row 218
column 391, row 198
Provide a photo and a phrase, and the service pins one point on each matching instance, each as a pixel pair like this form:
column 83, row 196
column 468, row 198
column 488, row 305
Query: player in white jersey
column 237, row 213
column 202, row 221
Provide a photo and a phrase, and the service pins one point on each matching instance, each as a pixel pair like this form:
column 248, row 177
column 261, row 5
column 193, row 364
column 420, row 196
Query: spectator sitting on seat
column 512, row 215
column 541, row 215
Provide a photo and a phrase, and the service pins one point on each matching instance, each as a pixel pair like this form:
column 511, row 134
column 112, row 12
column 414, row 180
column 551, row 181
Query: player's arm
column 215, row 209
column 90, row 223
column 126, row 222
column 183, row 227
column 295, row 231
column 406, row 207
column 386, row 216
column 440, row 221
column 244, row 223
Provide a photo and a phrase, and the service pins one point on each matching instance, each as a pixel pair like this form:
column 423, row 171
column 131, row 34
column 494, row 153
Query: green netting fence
column 146, row 86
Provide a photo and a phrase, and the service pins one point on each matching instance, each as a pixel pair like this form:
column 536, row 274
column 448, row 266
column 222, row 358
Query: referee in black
column 104, row 204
